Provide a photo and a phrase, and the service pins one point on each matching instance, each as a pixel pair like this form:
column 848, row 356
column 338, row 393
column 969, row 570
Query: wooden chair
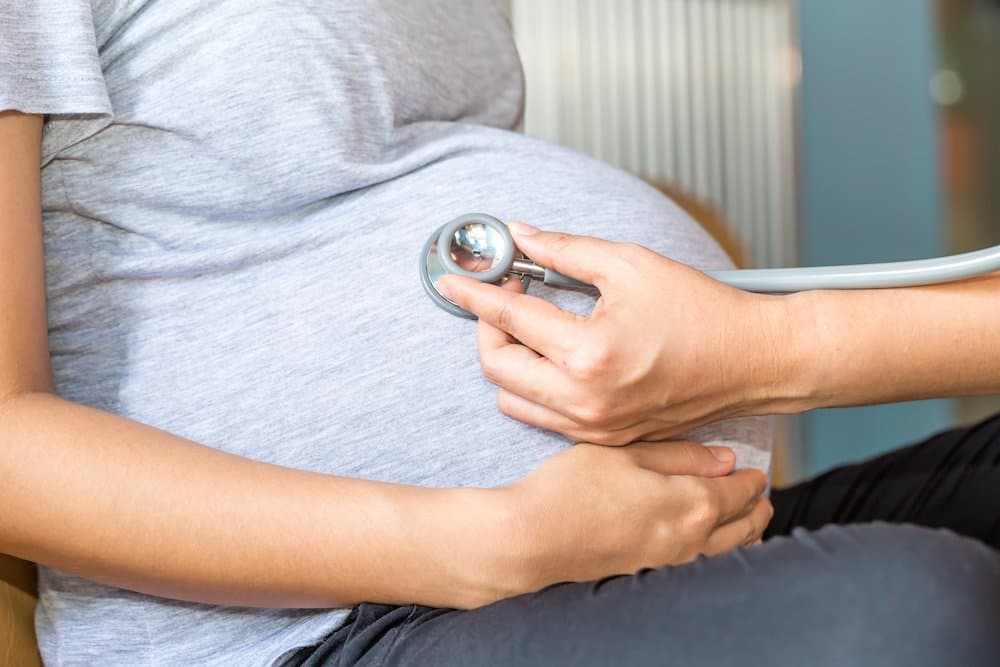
column 18, row 596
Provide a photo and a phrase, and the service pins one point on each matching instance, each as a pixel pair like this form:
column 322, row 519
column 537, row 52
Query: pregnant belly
column 324, row 353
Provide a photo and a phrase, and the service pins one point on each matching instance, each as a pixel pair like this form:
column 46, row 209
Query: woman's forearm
column 116, row 501
column 876, row 346
column 112, row 500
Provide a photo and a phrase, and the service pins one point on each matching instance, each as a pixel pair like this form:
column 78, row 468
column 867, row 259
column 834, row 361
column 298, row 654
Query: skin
column 683, row 350
column 119, row 502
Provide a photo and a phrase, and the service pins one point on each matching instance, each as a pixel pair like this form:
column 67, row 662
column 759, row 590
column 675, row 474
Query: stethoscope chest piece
column 475, row 245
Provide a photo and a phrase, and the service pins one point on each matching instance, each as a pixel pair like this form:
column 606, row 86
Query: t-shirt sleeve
column 49, row 62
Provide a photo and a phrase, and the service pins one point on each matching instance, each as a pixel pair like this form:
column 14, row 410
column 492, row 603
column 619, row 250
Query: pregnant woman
column 241, row 434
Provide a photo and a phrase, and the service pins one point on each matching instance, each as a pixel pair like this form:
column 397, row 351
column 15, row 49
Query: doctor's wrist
column 806, row 374
column 790, row 363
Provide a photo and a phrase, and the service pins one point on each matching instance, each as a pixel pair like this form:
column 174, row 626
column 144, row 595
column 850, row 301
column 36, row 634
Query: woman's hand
column 665, row 350
column 591, row 511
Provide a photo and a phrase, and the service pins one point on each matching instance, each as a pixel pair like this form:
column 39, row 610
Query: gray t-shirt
column 235, row 195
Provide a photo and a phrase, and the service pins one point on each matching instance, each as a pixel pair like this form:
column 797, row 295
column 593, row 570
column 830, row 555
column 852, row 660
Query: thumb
column 582, row 257
column 683, row 458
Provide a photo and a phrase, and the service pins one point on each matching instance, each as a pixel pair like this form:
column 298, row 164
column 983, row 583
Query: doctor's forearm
column 876, row 346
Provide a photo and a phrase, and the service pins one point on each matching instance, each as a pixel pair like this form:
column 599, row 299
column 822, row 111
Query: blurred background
column 799, row 132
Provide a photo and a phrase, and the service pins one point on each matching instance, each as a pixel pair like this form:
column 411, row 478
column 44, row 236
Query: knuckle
column 632, row 250
column 701, row 494
column 692, row 453
column 591, row 360
column 759, row 481
column 561, row 241
column 602, row 355
column 710, row 515
column 505, row 404
column 573, row 361
column 632, row 259
column 663, row 534
column 703, row 512
column 505, row 318
column 579, row 364
column 595, row 413
column 587, row 414
column 702, row 520
column 621, row 438
column 608, row 438
column 491, row 367
column 633, row 254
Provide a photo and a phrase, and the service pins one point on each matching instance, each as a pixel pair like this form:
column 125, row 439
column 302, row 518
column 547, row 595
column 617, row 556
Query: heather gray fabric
column 235, row 194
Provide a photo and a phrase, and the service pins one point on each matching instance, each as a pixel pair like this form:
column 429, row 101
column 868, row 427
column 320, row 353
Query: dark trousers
column 893, row 561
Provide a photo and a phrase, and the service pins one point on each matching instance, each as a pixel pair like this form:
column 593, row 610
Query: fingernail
column 724, row 454
column 521, row 229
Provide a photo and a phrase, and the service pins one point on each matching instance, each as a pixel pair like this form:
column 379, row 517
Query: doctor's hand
column 666, row 348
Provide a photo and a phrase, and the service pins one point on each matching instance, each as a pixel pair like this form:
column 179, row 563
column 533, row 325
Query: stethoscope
column 480, row 246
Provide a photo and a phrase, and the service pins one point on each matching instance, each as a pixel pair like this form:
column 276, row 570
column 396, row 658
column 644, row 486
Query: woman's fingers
column 736, row 494
column 742, row 532
column 682, row 457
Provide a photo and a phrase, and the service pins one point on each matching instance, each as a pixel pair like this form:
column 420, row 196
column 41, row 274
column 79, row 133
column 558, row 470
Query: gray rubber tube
column 863, row 276
column 556, row 279
column 854, row 276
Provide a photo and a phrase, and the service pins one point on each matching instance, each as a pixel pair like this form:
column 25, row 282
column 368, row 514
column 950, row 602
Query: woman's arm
column 127, row 504
column 101, row 496
column 116, row 501
column 668, row 349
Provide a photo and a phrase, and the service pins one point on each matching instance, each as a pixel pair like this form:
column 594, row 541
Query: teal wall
column 871, row 190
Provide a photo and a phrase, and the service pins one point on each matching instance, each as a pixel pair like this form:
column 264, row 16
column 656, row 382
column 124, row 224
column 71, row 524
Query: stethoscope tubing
column 769, row 281
column 863, row 276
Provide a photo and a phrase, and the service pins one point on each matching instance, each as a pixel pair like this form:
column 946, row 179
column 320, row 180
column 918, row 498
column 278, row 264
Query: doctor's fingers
column 540, row 325
column 488, row 337
column 587, row 258
column 522, row 371
column 513, row 366
column 529, row 412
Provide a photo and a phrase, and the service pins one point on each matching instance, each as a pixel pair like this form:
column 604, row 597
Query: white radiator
column 699, row 94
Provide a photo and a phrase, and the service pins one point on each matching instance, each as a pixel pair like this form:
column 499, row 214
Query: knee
column 936, row 591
